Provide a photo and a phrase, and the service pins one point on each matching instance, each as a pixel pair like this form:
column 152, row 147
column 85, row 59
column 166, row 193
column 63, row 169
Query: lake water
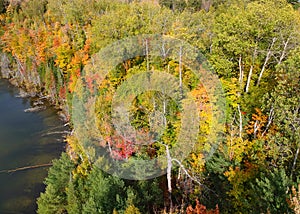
column 26, row 139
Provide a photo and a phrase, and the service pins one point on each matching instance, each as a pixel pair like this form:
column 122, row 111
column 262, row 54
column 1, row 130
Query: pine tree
column 54, row 200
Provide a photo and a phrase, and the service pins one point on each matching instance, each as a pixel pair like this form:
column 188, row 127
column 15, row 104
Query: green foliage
column 74, row 205
column 105, row 192
column 98, row 192
column 295, row 3
column 145, row 194
column 284, row 102
column 217, row 182
column 34, row 9
column 272, row 188
column 253, row 45
column 54, row 200
column 133, row 19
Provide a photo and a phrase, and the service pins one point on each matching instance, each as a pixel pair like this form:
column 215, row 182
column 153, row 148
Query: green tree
column 284, row 103
column 105, row 193
column 272, row 188
column 54, row 200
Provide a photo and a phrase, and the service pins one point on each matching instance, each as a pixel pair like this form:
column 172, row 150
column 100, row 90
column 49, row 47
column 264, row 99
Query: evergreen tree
column 54, row 200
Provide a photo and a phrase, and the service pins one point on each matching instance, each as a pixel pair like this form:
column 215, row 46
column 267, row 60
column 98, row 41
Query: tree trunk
column 266, row 61
column 283, row 54
column 147, row 54
column 250, row 72
column 295, row 161
column 249, row 79
column 240, row 122
column 169, row 176
column 241, row 77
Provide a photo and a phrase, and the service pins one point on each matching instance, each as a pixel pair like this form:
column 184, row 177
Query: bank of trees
column 252, row 45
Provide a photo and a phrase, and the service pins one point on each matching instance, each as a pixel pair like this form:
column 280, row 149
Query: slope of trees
column 252, row 45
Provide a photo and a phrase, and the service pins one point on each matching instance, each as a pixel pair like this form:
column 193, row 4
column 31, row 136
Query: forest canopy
column 252, row 46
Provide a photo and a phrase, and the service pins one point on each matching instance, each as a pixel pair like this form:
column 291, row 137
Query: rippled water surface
column 26, row 139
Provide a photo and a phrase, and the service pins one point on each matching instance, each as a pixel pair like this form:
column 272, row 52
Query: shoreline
column 30, row 142
column 11, row 72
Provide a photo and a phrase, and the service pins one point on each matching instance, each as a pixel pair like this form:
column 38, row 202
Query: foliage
column 272, row 188
column 54, row 199
column 253, row 46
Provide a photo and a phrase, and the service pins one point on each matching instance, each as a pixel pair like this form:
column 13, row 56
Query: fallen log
column 35, row 109
column 26, row 168
column 57, row 132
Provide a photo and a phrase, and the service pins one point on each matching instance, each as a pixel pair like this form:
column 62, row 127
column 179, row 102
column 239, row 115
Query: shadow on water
column 24, row 141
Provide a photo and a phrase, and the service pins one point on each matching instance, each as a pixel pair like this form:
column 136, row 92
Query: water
column 25, row 140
